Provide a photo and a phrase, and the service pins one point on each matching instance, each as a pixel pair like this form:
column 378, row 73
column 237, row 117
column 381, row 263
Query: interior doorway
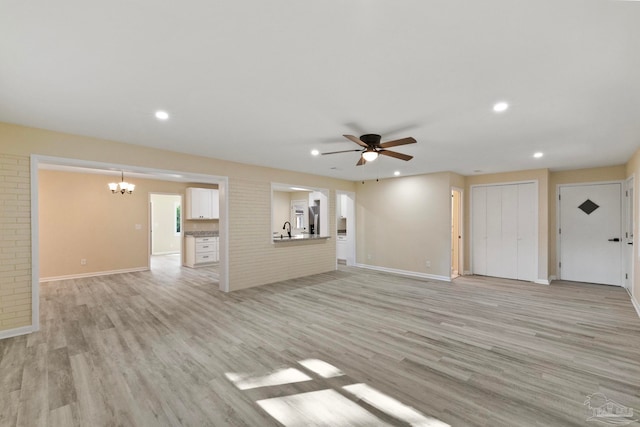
column 456, row 233
column 165, row 228
column 345, row 228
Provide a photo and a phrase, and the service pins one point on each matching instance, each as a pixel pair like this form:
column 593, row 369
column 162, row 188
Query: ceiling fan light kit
column 372, row 148
column 370, row 155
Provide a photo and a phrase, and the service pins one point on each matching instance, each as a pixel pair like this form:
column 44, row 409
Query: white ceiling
column 266, row 82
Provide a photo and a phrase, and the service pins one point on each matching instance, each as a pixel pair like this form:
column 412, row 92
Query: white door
column 479, row 230
column 527, row 232
column 509, row 249
column 590, row 233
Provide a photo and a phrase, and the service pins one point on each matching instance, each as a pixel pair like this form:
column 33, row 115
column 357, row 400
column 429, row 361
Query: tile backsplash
column 201, row 225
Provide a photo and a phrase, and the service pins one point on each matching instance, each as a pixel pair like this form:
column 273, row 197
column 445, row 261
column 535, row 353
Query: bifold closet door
column 527, row 232
column 479, row 230
column 504, row 224
column 509, row 250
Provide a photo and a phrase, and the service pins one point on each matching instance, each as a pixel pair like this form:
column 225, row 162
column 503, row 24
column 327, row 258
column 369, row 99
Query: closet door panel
column 494, row 231
column 509, row 249
column 527, row 232
column 479, row 230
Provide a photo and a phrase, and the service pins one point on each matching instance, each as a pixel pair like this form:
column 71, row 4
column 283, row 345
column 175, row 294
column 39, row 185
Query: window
column 178, row 218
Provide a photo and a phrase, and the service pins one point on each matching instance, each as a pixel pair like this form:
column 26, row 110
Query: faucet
column 285, row 226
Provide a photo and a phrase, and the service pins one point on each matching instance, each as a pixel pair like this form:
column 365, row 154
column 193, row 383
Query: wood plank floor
column 161, row 348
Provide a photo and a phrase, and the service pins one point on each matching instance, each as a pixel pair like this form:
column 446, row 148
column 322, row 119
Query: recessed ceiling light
column 162, row 115
column 314, row 152
column 397, row 173
column 500, row 107
column 538, row 155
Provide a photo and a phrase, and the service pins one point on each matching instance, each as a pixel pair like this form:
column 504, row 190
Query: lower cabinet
column 200, row 251
column 341, row 247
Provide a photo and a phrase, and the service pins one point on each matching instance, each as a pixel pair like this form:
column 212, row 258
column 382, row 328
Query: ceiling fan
column 372, row 147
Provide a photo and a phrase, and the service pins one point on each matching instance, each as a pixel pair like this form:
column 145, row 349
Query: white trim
column 629, row 217
column 467, row 272
column 542, row 282
column 559, row 225
column 35, row 247
column 94, row 274
column 552, row 278
column 9, row 333
column 405, row 272
column 166, row 253
column 635, row 304
column 223, row 233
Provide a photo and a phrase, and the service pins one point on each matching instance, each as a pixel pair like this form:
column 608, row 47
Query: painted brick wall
column 15, row 242
column 253, row 258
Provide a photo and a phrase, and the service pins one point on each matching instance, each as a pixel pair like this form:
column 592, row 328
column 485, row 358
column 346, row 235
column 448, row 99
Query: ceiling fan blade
column 361, row 162
column 356, row 140
column 336, row 152
column 395, row 154
column 396, row 142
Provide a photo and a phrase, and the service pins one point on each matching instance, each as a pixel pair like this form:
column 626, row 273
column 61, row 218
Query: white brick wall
column 253, row 259
column 15, row 242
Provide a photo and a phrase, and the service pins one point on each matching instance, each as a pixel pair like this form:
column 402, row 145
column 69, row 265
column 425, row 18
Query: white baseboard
column 405, row 272
column 94, row 274
column 467, row 272
column 552, row 278
column 16, row 332
column 542, row 282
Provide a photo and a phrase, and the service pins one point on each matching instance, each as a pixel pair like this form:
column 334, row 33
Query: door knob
column 615, row 239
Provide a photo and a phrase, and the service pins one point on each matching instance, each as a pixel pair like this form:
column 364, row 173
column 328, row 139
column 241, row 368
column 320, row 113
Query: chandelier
column 122, row 187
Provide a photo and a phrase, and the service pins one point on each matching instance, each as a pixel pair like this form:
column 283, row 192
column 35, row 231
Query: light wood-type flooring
column 167, row 348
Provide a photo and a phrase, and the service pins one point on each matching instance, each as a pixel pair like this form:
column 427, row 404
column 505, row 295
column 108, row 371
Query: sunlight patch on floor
column 279, row 377
column 322, row 368
column 337, row 407
column 319, row 408
column 392, row 407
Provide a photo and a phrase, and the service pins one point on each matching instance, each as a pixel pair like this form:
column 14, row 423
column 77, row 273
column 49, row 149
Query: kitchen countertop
column 299, row 238
column 201, row 233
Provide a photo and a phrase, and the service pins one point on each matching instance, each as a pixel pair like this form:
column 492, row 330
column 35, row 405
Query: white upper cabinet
column 342, row 209
column 202, row 203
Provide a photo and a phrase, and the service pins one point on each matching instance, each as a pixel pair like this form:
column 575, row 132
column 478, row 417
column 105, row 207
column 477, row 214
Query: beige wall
column 404, row 222
column 80, row 219
column 613, row 173
column 15, row 242
column 633, row 169
column 539, row 175
column 253, row 260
